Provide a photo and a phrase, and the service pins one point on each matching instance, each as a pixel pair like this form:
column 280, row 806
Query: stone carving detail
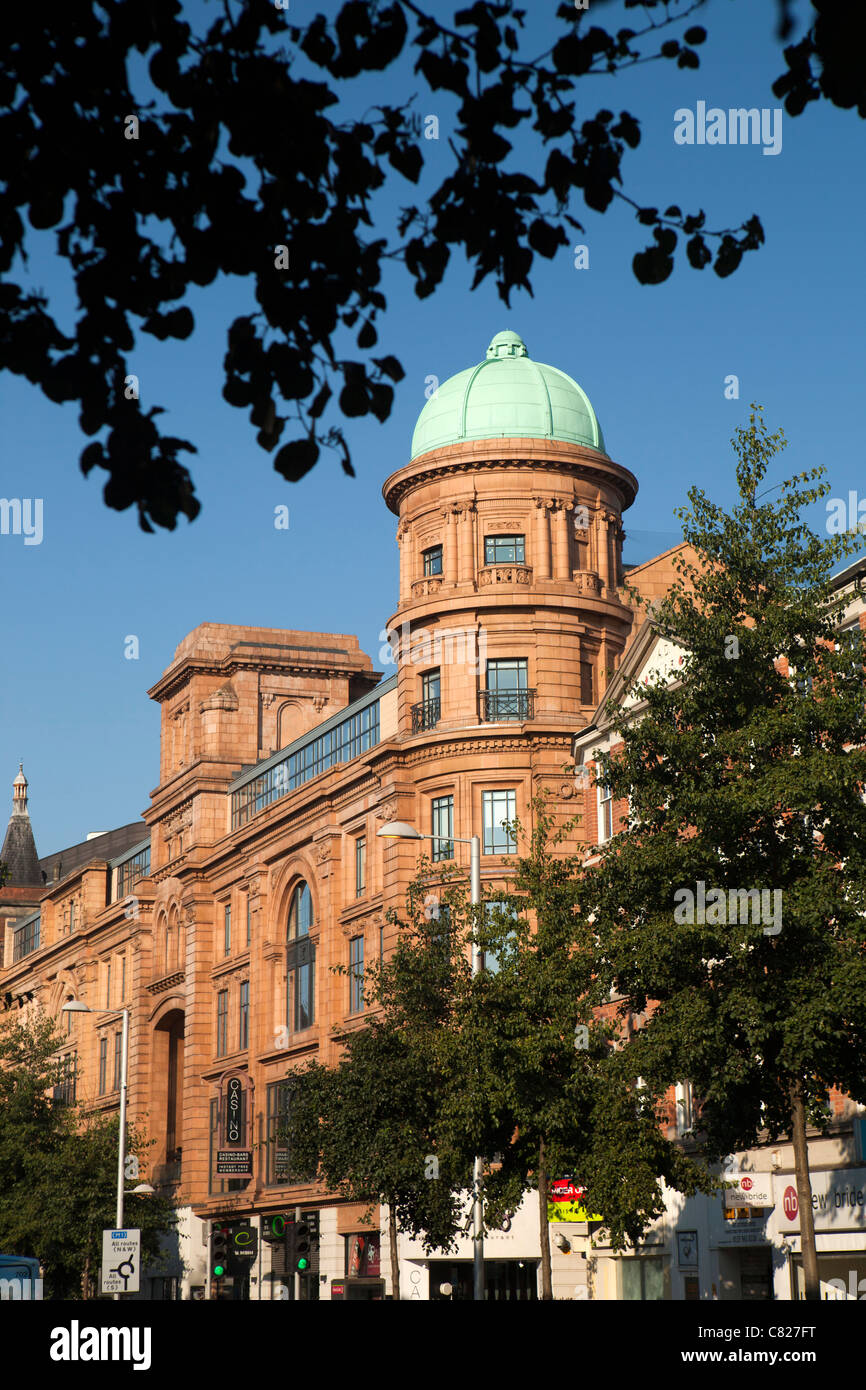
column 224, row 698
column 586, row 582
column 319, row 702
column 387, row 811
column 324, row 853
column 421, row 587
column 566, row 790
column 505, row 574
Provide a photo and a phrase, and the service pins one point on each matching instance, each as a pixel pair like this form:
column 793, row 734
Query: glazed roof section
column 338, row 739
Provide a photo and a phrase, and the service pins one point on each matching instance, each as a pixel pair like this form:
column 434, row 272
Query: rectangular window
column 122, row 978
column 491, row 958
column 118, row 1058
column 497, row 808
column 108, row 984
column 425, row 715
column 605, row 813
column 642, row 1279
column 381, row 943
column 443, row 825
column 222, row 1022
column 587, row 683
column 504, row 550
column 301, row 969
column 360, row 866
column 356, row 974
column 72, row 916
column 227, row 929
column 244, row 1022
column 507, row 693
column 432, row 560
column 277, row 1153
column 26, row 939
column 103, row 1065
column 249, row 921
column 64, row 1091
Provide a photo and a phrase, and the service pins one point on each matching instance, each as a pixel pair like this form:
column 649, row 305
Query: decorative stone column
column 562, row 540
column 467, row 542
column 603, row 548
column 541, row 563
column 451, row 520
column 405, row 560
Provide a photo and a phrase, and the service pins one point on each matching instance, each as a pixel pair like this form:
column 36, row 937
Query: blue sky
column 653, row 361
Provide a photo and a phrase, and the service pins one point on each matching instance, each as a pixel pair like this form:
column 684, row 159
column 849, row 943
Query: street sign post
column 121, row 1261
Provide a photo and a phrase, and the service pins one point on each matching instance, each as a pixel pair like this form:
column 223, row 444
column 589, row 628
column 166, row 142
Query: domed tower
column 510, row 540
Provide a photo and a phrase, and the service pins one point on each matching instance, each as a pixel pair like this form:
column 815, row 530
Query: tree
column 539, row 1077
column 746, row 774
column 156, row 145
column 370, row 1128
column 59, row 1168
column 457, row 1064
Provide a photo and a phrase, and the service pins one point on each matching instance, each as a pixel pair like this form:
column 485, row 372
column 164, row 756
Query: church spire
column 19, row 847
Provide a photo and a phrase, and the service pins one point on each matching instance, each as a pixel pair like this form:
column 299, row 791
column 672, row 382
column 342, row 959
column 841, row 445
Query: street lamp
column 402, row 830
column 74, row 1006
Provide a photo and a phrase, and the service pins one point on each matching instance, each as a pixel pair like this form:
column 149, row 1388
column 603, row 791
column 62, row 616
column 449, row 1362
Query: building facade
column 257, row 867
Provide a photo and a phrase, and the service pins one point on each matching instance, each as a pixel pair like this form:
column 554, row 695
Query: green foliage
column 59, row 1167
column 162, row 146
column 456, row 1063
column 744, row 776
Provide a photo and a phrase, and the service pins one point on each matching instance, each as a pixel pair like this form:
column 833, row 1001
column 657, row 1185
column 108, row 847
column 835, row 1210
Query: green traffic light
column 303, row 1264
column 219, row 1271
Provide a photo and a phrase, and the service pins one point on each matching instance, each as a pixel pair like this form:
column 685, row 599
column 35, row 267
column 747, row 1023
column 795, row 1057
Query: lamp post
column 73, row 1006
column 402, row 830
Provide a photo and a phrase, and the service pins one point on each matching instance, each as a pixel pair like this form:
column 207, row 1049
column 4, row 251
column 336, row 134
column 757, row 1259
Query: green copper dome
column 507, row 395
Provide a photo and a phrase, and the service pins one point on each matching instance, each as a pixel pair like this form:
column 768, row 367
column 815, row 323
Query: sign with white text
column 121, row 1261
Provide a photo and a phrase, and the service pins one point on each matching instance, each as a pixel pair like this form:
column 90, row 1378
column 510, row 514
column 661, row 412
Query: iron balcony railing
column 507, row 704
column 425, row 715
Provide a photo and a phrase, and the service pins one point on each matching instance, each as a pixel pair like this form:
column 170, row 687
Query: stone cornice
column 486, row 455
column 261, row 665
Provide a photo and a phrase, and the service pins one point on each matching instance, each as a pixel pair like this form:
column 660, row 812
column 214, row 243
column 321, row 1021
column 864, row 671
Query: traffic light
column 274, row 1229
column 219, row 1251
column 298, row 1247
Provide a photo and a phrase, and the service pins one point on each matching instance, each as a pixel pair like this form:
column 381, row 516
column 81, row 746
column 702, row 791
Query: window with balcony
column 432, row 560
column 504, row 550
column 301, row 961
column 498, row 808
column 507, row 695
column 443, row 826
column 425, row 715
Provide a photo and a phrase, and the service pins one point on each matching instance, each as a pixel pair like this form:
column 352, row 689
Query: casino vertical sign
column 234, row 1151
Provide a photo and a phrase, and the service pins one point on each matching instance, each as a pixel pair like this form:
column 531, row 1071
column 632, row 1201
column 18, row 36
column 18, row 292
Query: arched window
column 301, row 962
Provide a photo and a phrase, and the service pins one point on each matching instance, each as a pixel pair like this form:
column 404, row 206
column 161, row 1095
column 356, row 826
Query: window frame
column 244, row 1016
column 492, row 831
column 497, row 541
column 442, row 848
column 222, row 1022
column 356, row 974
column 429, row 557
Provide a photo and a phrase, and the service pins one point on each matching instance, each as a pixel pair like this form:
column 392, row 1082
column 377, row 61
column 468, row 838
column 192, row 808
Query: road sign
column 121, row 1261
